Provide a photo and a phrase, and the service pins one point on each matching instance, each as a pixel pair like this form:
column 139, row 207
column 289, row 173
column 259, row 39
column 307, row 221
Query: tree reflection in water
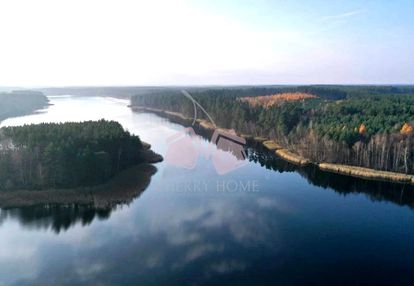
column 56, row 217
column 63, row 210
column 400, row 194
column 60, row 217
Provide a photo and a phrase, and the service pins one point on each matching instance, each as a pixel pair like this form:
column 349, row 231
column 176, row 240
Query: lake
column 265, row 223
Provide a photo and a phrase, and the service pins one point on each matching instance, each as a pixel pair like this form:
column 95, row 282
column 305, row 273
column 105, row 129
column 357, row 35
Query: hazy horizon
column 164, row 43
column 201, row 85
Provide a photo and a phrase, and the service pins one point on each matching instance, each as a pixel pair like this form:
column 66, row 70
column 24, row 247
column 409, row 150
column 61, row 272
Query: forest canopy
column 365, row 126
column 65, row 155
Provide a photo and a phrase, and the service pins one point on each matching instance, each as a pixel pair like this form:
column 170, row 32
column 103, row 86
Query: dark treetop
column 65, row 155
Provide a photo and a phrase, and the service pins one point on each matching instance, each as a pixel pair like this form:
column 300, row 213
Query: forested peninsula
column 68, row 155
column 21, row 102
column 367, row 127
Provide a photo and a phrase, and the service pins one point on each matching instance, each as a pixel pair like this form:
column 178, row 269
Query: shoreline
column 287, row 155
column 26, row 113
column 121, row 189
column 149, row 156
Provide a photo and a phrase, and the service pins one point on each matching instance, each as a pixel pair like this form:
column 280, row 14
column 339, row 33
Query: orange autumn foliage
column 275, row 99
column 362, row 129
column 406, row 129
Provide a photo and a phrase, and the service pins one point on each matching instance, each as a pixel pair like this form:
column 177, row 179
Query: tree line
column 20, row 102
column 355, row 125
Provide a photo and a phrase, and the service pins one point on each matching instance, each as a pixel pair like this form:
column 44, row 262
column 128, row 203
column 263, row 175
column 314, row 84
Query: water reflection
column 55, row 217
column 400, row 194
column 397, row 193
column 62, row 216
column 61, row 209
column 291, row 232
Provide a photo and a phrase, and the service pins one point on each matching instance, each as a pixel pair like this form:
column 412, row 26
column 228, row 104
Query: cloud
column 342, row 16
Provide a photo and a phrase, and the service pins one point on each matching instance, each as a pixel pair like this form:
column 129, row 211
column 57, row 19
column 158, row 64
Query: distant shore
column 353, row 171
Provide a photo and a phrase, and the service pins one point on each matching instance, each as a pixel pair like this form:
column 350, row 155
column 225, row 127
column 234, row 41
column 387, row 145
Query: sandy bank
column 292, row 157
column 271, row 145
column 367, row 173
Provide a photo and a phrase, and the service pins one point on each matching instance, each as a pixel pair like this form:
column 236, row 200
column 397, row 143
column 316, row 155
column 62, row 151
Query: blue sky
column 125, row 42
column 342, row 41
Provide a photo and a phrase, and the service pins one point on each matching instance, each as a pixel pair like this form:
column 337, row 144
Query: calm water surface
column 267, row 223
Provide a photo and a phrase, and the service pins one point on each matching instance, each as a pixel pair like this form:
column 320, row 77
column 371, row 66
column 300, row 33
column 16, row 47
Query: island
column 74, row 162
